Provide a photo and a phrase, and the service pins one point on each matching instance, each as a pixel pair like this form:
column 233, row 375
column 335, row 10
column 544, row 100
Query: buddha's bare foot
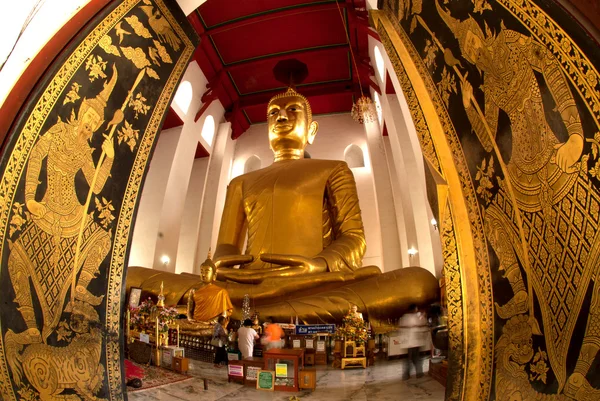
column 517, row 305
column 580, row 389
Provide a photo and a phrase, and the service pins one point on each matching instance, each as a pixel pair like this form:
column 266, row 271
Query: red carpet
column 151, row 376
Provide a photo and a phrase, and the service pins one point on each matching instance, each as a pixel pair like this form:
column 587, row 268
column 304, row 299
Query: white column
column 145, row 233
column 390, row 241
column 401, row 199
column 215, row 188
column 190, row 222
column 171, row 215
column 408, row 162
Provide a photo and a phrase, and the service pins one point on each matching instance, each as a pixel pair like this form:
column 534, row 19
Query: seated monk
column 305, row 237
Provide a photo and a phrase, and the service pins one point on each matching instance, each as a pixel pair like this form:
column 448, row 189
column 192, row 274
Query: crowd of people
column 247, row 334
column 414, row 327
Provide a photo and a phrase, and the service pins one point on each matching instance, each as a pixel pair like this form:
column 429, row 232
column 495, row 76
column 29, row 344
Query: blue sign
column 315, row 328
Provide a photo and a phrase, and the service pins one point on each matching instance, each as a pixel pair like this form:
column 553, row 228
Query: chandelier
column 363, row 110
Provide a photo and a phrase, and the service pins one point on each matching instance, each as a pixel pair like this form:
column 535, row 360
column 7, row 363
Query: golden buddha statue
column 305, row 237
column 205, row 303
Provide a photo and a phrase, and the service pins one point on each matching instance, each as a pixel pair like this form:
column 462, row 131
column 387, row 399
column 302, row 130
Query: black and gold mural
column 505, row 96
column 71, row 176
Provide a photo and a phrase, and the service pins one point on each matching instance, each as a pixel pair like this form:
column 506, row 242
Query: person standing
column 273, row 334
column 413, row 326
column 219, row 340
column 246, row 337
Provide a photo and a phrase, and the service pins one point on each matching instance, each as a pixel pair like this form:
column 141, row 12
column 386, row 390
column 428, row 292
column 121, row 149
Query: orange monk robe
column 210, row 301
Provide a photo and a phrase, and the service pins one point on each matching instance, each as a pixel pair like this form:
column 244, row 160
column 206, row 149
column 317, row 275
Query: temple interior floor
column 381, row 382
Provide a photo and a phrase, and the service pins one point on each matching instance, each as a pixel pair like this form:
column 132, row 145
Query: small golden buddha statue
column 305, row 237
column 205, row 303
column 354, row 312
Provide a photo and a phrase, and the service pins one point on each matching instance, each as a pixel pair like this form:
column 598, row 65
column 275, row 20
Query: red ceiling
column 241, row 42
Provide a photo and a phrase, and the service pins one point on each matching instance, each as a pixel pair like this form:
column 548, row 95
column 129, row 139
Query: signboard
column 296, row 344
column 315, row 328
column 310, row 343
column 266, row 380
column 320, row 346
column 252, row 372
column 281, row 369
column 235, row 370
column 145, row 338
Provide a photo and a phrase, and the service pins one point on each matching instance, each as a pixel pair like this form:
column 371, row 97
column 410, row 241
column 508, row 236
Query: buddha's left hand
column 297, row 263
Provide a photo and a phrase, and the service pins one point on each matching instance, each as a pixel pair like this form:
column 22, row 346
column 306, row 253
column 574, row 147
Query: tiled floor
column 380, row 382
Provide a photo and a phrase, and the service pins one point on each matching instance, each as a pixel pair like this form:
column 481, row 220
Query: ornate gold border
column 20, row 154
column 472, row 249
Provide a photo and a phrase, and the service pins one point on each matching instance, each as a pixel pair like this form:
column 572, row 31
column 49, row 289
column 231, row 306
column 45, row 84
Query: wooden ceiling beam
column 277, row 57
column 308, row 91
column 275, row 14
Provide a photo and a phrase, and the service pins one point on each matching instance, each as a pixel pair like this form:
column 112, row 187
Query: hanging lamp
column 363, row 110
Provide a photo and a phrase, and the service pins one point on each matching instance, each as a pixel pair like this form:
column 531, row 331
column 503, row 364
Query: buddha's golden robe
column 296, row 207
column 210, row 301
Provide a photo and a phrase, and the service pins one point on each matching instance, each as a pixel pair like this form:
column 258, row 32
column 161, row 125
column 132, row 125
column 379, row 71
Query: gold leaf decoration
column 151, row 73
column 538, row 367
column 138, row 27
column 96, row 66
column 128, row 135
column 484, row 178
column 162, row 52
column 106, row 45
column 105, row 209
column 153, row 53
column 18, row 218
column 73, row 94
column 138, row 103
column 121, row 32
column 136, row 55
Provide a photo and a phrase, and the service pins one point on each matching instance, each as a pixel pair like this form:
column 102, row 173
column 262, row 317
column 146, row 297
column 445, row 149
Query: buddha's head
column 353, row 308
column 291, row 127
column 207, row 271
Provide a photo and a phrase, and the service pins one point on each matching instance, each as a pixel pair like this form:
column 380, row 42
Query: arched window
column 353, row 155
column 379, row 63
column 208, row 129
column 252, row 164
column 378, row 108
column 183, row 96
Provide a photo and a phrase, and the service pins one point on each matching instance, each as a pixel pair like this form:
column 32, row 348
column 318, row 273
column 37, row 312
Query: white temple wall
column 407, row 157
column 191, row 217
column 145, row 232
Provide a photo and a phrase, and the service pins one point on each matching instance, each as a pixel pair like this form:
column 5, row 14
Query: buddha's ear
column 312, row 131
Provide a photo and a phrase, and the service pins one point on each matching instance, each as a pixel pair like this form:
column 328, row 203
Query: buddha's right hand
column 232, row 260
column 36, row 208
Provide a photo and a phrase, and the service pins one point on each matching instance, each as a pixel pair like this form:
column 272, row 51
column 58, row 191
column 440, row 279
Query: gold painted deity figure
column 44, row 252
column 547, row 180
column 305, row 237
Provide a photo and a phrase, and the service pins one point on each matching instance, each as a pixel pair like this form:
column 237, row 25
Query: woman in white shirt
column 246, row 337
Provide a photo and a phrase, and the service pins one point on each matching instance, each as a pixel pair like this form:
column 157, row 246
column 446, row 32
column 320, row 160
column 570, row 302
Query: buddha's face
column 289, row 127
column 354, row 308
column 207, row 274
